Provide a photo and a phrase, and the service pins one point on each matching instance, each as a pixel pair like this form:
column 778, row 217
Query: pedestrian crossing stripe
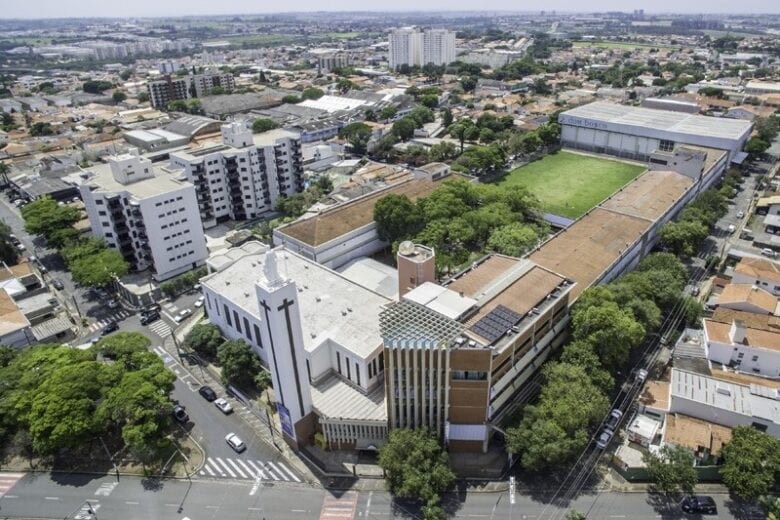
column 105, row 321
column 8, row 481
column 247, row 469
column 160, row 328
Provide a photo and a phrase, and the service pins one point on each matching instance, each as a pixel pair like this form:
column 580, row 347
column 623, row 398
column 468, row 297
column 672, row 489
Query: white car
column 740, row 214
column 235, row 442
column 200, row 301
column 182, row 315
column 223, row 405
column 21, row 247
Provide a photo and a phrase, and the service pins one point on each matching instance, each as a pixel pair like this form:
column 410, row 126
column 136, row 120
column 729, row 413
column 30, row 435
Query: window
column 338, row 362
column 370, row 371
column 740, row 355
column 258, row 340
column 349, row 371
column 102, row 213
column 238, row 323
column 246, row 329
column 754, row 358
column 666, row 145
column 381, row 361
column 357, row 372
column 308, row 370
column 227, row 315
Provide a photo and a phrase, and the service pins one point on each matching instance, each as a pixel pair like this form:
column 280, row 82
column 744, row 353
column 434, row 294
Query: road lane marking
column 130, row 503
column 10, row 496
column 235, row 466
column 258, row 472
column 277, row 470
column 227, row 468
column 52, row 498
column 295, row 478
column 248, row 471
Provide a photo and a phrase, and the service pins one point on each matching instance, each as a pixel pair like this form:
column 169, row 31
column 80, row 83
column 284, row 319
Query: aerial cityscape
column 351, row 261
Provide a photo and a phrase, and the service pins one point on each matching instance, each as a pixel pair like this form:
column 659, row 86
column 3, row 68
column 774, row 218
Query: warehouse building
column 637, row 132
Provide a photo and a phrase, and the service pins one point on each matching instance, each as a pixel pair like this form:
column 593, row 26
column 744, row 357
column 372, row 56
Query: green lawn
column 570, row 184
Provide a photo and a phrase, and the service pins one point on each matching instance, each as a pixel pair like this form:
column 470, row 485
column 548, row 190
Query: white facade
column 146, row 213
column 406, row 47
column 636, row 132
column 244, row 176
column 747, row 350
column 438, row 47
column 725, row 403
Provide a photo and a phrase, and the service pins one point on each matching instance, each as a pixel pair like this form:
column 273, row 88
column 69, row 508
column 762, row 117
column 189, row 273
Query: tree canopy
column 672, row 470
column 204, row 339
column 44, row 217
column 239, row 364
column 752, row 463
column 8, row 252
column 417, row 467
column 263, row 125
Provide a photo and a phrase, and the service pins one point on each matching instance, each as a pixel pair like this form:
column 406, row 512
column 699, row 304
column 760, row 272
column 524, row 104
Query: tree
column 772, row 507
column 217, row 91
column 263, row 125
column 610, row 330
column 344, row 85
column 672, row 470
column 312, row 93
column 446, row 117
column 752, row 462
column 178, row 105
column 205, row 339
column 513, row 239
column 96, row 87
column 555, row 430
column 8, row 252
column 443, row 151
column 468, row 83
column 756, row 146
column 125, row 74
column 358, row 134
column 100, row 269
column 291, row 98
column 582, row 354
column 239, row 364
column 263, row 380
column 574, row 515
column 404, row 128
column 421, row 115
column 44, row 216
column 397, row 217
column 40, row 129
column 416, row 465
column 431, row 101
column 324, row 184
column 118, row 96
column 683, row 236
column 458, row 131
column 387, row 112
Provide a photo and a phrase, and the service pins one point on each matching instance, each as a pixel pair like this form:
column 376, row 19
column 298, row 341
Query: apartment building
column 438, row 47
column 759, row 272
column 410, row 46
column 170, row 88
column 242, row 177
column 149, row 214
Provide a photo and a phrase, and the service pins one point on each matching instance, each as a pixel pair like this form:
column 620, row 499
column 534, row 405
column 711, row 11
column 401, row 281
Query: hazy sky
column 130, row 8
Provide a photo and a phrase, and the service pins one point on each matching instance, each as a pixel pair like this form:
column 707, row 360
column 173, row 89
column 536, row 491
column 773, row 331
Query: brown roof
column 695, row 434
column 650, row 195
column 19, row 270
column 745, row 293
column 586, row 249
column 759, row 268
column 523, row 294
column 475, row 280
column 750, row 319
column 333, row 223
column 11, row 318
column 758, row 338
column 656, row 395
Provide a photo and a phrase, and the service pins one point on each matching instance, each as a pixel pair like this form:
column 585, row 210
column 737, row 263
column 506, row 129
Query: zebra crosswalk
column 8, row 481
column 247, row 469
column 118, row 315
column 160, row 328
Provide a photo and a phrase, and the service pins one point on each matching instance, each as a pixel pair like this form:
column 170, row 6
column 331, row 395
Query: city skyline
column 45, row 9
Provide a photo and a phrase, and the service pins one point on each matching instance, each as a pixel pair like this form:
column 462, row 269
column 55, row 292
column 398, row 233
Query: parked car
column 223, row 405
column 768, row 252
column 699, row 504
column 108, row 329
column 57, row 285
column 21, row 247
column 603, row 440
column 14, row 239
column 614, row 419
column 641, row 375
column 149, row 318
column 154, row 307
column 208, row 393
column 182, row 315
column 732, row 228
column 200, row 301
column 235, row 442
column 740, row 214
column 180, row 414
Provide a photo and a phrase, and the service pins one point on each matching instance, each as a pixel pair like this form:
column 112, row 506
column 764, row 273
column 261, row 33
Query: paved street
column 45, row 496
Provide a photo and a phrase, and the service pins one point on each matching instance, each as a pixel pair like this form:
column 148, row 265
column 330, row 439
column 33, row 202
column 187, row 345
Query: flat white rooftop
column 665, row 120
column 331, row 306
column 163, row 181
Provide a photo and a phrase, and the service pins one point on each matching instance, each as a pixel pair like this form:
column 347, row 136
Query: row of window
column 172, row 212
column 347, row 366
column 183, row 255
column 246, row 331
column 177, row 246
column 168, row 201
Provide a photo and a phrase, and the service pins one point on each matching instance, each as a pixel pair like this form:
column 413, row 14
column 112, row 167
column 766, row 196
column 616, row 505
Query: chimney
column 737, row 332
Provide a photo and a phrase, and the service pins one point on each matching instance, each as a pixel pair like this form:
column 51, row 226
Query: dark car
column 208, row 393
column 108, row 329
column 149, row 309
column 180, row 414
column 699, row 504
column 150, row 317
column 57, row 285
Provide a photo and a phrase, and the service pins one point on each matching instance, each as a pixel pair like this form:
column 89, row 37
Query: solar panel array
column 495, row 323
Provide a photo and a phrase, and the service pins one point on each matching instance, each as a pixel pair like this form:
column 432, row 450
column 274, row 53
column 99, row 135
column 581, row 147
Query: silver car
column 235, row 442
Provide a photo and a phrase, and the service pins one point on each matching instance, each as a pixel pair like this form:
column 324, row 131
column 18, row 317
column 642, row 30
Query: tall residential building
column 332, row 60
column 410, row 46
column 148, row 213
column 242, row 177
column 406, row 46
column 164, row 91
column 438, row 47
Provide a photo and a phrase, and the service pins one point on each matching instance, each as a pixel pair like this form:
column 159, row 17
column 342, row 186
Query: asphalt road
column 131, row 498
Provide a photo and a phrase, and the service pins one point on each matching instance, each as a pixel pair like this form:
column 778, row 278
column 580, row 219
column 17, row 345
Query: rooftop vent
column 318, row 298
column 723, row 390
column 349, row 309
column 535, row 310
column 472, row 343
column 343, row 313
column 460, row 340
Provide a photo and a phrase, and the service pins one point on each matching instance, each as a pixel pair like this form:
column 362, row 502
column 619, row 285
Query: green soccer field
column 569, row 184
